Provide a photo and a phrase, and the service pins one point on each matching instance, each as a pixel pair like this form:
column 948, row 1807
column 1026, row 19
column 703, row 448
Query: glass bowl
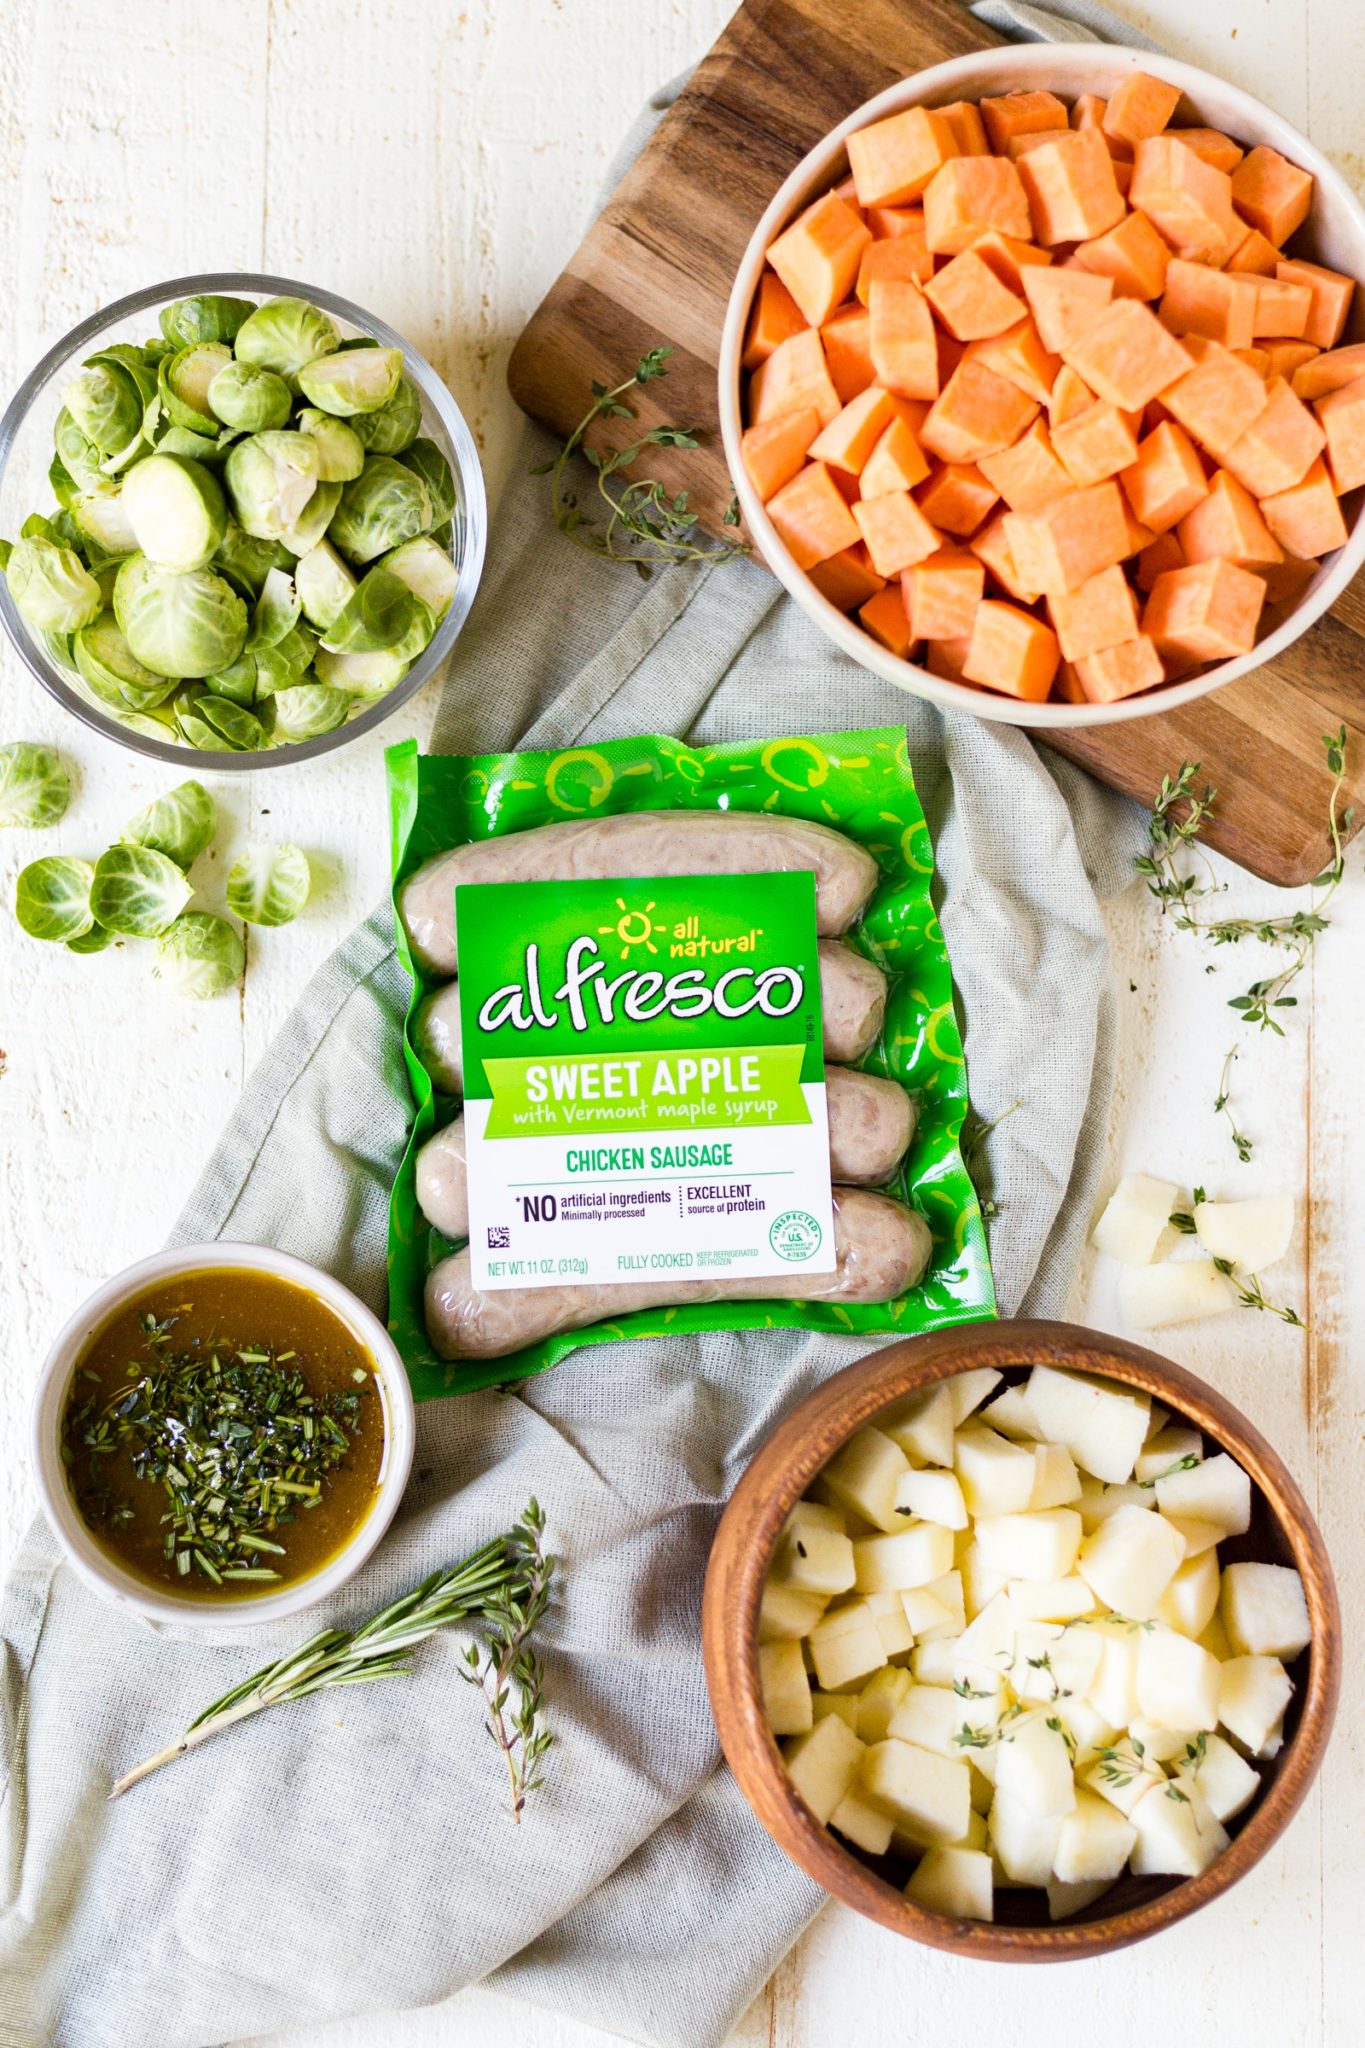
column 26, row 450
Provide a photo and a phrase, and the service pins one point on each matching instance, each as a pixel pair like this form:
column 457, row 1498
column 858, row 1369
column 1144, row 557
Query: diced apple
column 814, row 1560
column 1102, row 1425
column 1025, row 1843
column 844, row 1704
column 846, row 1645
column 1253, row 1693
column 912, row 1557
column 923, row 1425
column 1177, row 1681
column 933, row 1719
column 1264, row 1610
column 897, row 1636
column 1224, row 1780
column 1197, row 1536
column 933, row 1663
column 1177, row 1836
column 1171, row 1446
column 811, row 1514
column 1094, row 1843
column 1217, row 1491
column 1047, row 1660
column 969, row 1389
column 1056, row 1482
column 785, row 1688
column 1130, row 1560
column 933, row 1496
column 1214, row 1639
column 980, row 1581
column 1191, row 1600
column 1250, row 1234
column 1031, row 1546
column 1063, row 1599
column 782, row 1612
column 985, row 1643
column 928, row 1796
column 1033, row 1767
column 926, row 1614
column 1150, row 1297
column 1113, row 1689
column 1064, row 1901
column 862, row 1823
column 1010, row 1413
column 1122, row 1777
column 823, row 1764
column 878, row 1701
column 996, row 1476
column 1098, row 1502
column 1088, row 1729
column 1134, row 1219
column 864, row 1476
column 1157, row 1420
column 955, row 1881
column 1159, row 1745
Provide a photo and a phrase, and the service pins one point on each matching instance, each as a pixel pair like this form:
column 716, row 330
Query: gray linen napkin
column 348, row 1854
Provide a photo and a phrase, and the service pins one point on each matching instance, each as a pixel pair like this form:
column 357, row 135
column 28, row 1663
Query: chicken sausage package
column 682, row 1050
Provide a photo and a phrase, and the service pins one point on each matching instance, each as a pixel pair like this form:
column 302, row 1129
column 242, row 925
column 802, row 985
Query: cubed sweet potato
column 896, row 532
column 1212, row 145
column 1140, row 105
column 795, row 376
column 1099, row 614
column 1283, row 308
column 847, row 342
column 1227, row 525
column 1019, row 357
column 1122, row 671
column 1095, row 444
column 1332, row 294
column 1021, row 113
column 893, row 160
column 1216, row 400
column 1329, row 371
column 902, row 339
column 1009, row 257
column 1069, row 396
column 1066, row 542
column 884, row 617
column 1306, row 519
column 1206, row 612
column 1132, row 254
column 942, row 593
column 1166, row 480
column 897, row 463
column 817, row 256
column 776, row 449
column 1281, row 444
column 1271, row 194
column 1342, row 417
column 847, row 579
column 1188, row 202
column 1011, row 651
column 811, row 517
column 773, row 318
column 956, row 497
column 1164, row 553
column 991, row 544
column 970, row 196
column 1255, row 254
column 1219, row 304
column 1127, row 356
column 1071, row 190
column 1028, row 473
column 970, row 299
column 977, row 413
column 1064, row 303
column 968, row 128
column 852, row 434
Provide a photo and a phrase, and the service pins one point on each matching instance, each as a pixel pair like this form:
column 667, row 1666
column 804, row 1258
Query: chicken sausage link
column 881, row 1250
column 639, row 843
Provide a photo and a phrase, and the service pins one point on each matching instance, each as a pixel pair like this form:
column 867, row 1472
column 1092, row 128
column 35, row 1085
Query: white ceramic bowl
column 94, row 1564
column 1334, row 234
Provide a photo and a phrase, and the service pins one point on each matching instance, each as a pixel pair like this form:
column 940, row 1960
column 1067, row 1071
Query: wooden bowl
column 1282, row 1532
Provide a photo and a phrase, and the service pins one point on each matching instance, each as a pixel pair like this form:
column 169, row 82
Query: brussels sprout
column 103, row 523
column 59, row 528
column 280, row 667
column 106, row 405
column 425, row 459
column 277, row 611
column 93, row 941
column 137, row 891
column 64, row 486
column 153, row 725
column 384, row 613
column 268, row 884
column 35, row 788
column 313, row 521
column 57, row 647
column 201, row 955
column 341, row 454
column 355, row 380
column 207, row 317
column 177, row 511
column 283, row 335
column 270, row 479
column 79, row 457
column 52, row 897
column 324, row 584
column 395, row 426
column 51, row 587
column 239, row 682
column 194, row 447
column 360, row 675
column 249, row 399
column 179, row 825
column 111, row 672
column 428, row 572
column 182, row 384
column 308, row 710
column 247, row 560
column 385, row 505
column 178, row 622
column 217, row 724
column 136, row 361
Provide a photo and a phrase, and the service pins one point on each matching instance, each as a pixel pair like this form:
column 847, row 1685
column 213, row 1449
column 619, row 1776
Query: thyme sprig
column 644, row 525
column 1248, row 1288
column 508, row 1573
column 507, row 1671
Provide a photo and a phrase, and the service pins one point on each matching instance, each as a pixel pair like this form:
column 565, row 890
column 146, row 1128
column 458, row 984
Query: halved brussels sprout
column 354, row 380
column 104, row 524
column 360, row 675
column 57, row 646
column 313, row 521
column 153, row 725
column 182, row 385
column 51, row 586
column 135, row 361
column 177, row 511
column 428, row 572
column 341, row 454
column 280, row 667
column 308, row 710
column 425, row 459
column 249, row 399
column 35, row 788
column 178, row 622
column 52, row 897
column 216, row 724
column 79, row 457
column 247, row 561
column 112, row 673
column 206, row 317
column 382, row 507
column 201, row 955
column 194, row 447
column 137, row 891
column 277, row 611
column 106, row 405
column 270, row 478
column 268, row 884
column 179, row 825
column 396, row 425
column 283, row 335
column 385, row 613
column 324, row 584
column 238, row 682
column 59, row 528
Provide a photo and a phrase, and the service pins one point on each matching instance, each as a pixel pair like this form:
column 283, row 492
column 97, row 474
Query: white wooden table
column 438, row 163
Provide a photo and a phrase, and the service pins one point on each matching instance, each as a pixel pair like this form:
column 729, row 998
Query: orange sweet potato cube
column 1139, row 106
column 1212, row 145
column 1271, row 194
column 1011, row 651
column 1206, row 612
column 1166, row 480
column 774, row 317
column 1217, row 399
column 897, row 463
column 1284, row 358
column 896, row 532
column 1066, row 685
column 1132, row 254
column 1164, row 553
column 1064, row 302
column 903, row 343
column 1188, row 202
column 1306, row 519
column 884, row 617
column 817, row 256
column 886, row 222
column 1021, row 113
column 1069, row 395
column 1331, row 300
column 851, row 436
column 1286, row 581
column 1255, row 359
column 1066, row 542
column 942, row 593
column 1019, row 357
column 1120, row 671
column 847, row 579
column 893, row 160
column 945, row 658
column 1227, row 524
column 969, row 298
column 795, row 376
column 811, row 517
column 900, row 256
column 991, row 544
column 1071, row 191
column 1009, row 257
column 1255, row 254
column 1088, row 110
column 1282, row 308
column 847, row 342
column 1020, row 145
column 1138, row 535
column 1342, row 416
column 968, row 197
column 957, row 497
column 1329, row 371
column 1127, row 356
column 976, row 413
column 1095, row 444
column 1100, row 614
column 1027, row 474
column 1281, row 444
column 968, row 128
column 1221, row 305
column 776, row 449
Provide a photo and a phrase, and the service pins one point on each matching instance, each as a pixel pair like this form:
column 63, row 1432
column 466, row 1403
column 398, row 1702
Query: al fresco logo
column 637, row 930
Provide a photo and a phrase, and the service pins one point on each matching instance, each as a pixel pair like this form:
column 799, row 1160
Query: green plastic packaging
column 859, row 783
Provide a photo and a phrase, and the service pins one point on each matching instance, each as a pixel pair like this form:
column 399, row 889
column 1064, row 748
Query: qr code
column 499, row 1238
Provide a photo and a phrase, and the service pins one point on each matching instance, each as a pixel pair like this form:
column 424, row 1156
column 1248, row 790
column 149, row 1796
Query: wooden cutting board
column 656, row 267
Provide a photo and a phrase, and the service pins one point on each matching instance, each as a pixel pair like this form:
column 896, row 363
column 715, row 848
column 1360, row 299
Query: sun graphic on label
column 632, row 928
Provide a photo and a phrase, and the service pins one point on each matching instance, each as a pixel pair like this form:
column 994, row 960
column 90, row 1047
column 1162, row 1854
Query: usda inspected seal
column 795, row 1236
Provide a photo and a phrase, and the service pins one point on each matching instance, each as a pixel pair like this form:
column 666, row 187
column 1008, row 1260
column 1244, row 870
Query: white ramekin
column 1334, row 234
column 92, row 1563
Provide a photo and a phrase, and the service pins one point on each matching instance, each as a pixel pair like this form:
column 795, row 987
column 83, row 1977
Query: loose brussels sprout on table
column 252, row 537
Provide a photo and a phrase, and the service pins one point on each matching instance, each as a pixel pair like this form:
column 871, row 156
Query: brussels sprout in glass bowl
column 238, row 515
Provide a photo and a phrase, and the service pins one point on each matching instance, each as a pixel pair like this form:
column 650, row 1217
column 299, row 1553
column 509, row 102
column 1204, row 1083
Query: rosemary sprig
column 644, row 525
column 507, row 1572
column 507, row 1665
